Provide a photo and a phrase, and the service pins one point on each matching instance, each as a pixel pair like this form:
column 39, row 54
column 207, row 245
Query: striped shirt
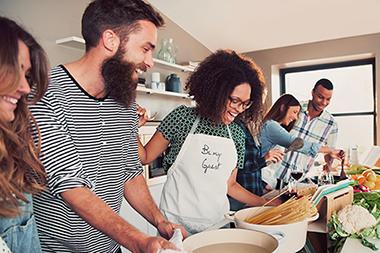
column 86, row 142
column 322, row 129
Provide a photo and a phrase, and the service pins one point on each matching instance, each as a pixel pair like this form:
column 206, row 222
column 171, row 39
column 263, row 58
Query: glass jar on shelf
column 167, row 51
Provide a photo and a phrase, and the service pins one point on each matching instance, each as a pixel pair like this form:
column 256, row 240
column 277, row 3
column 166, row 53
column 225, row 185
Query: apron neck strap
column 229, row 132
column 196, row 122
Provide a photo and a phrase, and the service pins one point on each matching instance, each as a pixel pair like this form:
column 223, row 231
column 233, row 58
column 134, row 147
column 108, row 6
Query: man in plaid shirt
column 315, row 124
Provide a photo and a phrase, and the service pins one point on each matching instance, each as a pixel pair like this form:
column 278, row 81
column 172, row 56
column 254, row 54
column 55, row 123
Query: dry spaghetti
column 291, row 211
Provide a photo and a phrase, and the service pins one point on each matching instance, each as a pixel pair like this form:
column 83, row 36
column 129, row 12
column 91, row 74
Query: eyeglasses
column 237, row 103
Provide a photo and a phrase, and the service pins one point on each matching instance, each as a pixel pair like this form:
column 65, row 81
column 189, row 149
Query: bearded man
column 88, row 125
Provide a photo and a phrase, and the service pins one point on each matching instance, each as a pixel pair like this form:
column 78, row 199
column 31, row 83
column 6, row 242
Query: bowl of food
column 290, row 219
column 230, row 240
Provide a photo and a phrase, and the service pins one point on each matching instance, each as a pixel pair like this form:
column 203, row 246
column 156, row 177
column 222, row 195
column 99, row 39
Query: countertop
column 354, row 245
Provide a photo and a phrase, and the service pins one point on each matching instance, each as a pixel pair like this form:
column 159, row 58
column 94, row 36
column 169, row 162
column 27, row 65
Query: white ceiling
column 250, row 25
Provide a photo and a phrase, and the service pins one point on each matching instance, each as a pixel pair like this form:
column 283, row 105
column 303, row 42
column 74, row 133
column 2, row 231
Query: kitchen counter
column 354, row 245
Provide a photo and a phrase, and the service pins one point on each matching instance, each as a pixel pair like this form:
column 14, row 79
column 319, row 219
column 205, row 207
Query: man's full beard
column 119, row 81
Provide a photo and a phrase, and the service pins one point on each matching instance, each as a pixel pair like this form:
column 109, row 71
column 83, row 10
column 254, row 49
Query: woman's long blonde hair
column 20, row 170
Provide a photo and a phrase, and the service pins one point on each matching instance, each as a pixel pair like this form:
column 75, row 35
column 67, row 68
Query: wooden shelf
column 163, row 93
column 79, row 43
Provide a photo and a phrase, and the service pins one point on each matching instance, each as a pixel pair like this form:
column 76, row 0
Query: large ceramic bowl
column 228, row 237
column 294, row 233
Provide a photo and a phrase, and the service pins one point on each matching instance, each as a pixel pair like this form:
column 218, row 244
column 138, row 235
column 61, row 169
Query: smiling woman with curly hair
column 216, row 78
column 206, row 145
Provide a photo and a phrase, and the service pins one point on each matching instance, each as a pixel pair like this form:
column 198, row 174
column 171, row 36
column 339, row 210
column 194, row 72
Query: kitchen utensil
column 231, row 236
column 294, row 233
column 318, row 163
column 296, row 144
column 269, row 201
column 342, row 175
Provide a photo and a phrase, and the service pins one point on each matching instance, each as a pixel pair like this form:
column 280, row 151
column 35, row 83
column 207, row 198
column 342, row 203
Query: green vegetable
column 338, row 235
column 360, row 170
column 368, row 244
column 355, row 172
column 370, row 201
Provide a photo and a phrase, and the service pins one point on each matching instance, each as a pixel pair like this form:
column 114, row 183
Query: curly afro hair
column 215, row 79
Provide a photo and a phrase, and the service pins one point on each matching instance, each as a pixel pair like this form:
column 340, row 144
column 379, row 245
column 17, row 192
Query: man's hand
column 337, row 154
column 154, row 244
column 166, row 229
column 143, row 115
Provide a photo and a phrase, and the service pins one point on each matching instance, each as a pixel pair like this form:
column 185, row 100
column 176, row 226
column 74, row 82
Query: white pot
column 234, row 235
column 294, row 233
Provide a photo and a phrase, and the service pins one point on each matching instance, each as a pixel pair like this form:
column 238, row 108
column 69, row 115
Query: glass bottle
column 167, row 52
column 354, row 159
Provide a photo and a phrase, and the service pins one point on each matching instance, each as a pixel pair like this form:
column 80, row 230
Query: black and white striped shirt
column 85, row 142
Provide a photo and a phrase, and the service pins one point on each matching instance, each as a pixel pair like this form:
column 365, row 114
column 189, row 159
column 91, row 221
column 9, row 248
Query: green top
column 177, row 124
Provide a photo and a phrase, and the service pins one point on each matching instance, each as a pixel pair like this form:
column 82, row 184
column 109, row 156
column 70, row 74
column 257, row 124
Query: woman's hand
column 274, row 155
column 275, row 202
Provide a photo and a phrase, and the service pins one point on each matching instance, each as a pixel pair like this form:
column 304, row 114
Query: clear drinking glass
column 325, row 177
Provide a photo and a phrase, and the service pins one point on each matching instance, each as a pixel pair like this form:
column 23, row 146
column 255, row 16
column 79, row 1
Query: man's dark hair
column 121, row 16
column 325, row 83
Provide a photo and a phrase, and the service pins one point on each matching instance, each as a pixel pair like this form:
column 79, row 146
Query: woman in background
column 206, row 146
column 278, row 122
column 23, row 68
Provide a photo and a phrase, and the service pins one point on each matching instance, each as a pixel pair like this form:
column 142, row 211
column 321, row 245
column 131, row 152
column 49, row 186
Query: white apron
column 195, row 193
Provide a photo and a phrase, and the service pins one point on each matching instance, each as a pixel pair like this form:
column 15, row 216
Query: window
column 353, row 100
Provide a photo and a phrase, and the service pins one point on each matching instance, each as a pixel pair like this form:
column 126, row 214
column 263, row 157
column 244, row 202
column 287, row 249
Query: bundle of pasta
column 291, row 211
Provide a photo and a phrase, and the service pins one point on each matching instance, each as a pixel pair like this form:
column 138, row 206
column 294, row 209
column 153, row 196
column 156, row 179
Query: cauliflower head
column 355, row 218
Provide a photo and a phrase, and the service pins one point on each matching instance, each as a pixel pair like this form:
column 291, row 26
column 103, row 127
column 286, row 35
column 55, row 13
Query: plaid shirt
column 322, row 129
column 250, row 176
